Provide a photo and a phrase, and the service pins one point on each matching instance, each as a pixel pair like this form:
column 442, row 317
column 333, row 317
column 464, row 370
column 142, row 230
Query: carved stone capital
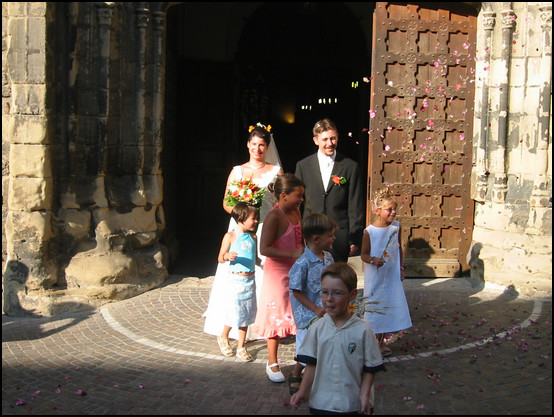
column 508, row 19
column 489, row 20
column 159, row 20
column 104, row 12
column 142, row 17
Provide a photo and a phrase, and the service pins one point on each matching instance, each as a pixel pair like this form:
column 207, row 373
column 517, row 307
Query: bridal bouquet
column 244, row 190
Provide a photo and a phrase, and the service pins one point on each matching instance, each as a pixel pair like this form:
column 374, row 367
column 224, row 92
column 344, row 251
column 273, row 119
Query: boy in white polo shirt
column 342, row 348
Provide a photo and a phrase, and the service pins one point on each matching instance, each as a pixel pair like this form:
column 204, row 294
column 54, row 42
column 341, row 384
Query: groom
column 333, row 187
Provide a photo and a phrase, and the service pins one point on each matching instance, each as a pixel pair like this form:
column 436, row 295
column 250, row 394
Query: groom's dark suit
column 341, row 202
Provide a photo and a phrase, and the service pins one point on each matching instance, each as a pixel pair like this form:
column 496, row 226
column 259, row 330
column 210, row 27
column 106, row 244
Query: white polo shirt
column 340, row 356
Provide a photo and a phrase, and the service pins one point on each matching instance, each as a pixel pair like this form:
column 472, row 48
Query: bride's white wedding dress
column 213, row 315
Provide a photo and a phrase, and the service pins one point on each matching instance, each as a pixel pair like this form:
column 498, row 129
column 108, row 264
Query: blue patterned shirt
column 305, row 276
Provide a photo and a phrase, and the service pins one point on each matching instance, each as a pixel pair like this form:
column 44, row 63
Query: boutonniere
column 338, row 180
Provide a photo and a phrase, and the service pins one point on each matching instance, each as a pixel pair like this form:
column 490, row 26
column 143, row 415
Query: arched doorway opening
column 284, row 64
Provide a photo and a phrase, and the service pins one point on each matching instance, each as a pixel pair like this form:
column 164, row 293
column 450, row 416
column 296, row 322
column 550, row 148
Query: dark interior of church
column 231, row 65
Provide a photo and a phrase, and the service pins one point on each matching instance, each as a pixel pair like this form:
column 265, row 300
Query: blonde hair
column 382, row 198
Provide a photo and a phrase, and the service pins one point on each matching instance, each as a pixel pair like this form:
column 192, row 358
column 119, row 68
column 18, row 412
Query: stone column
column 540, row 196
column 141, row 22
column 29, row 218
column 500, row 186
column 104, row 12
column 481, row 156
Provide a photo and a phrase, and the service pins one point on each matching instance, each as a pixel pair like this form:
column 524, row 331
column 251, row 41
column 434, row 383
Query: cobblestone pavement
column 470, row 351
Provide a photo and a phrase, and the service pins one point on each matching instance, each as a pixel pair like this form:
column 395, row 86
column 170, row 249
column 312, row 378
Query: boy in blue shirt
column 305, row 281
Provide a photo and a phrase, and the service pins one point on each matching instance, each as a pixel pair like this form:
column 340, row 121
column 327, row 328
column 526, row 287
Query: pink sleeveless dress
column 274, row 316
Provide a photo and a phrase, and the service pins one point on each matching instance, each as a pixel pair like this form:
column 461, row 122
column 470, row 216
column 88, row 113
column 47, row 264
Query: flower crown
column 251, row 128
column 381, row 195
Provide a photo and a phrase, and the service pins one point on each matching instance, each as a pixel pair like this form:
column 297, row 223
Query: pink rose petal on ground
column 80, row 392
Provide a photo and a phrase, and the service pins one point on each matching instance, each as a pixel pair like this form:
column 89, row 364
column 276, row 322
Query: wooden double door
column 421, row 129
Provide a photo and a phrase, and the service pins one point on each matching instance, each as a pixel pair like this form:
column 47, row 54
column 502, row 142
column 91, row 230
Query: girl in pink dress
column 281, row 242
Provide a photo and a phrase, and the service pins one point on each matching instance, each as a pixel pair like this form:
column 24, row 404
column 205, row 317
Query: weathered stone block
column 152, row 159
column 91, row 269
column 28, row 129
column 36, row 73
column 28, row 194
column 29, row 98
column 17, row 68
column 80, row 192
column 143, row 240
column 36, row 30
column 153, row 185
column 110, row 222
column 126, row 190
column 32, row 161
column 37, row 8
column 27, row 232
column 75, row 223
column 17, row 28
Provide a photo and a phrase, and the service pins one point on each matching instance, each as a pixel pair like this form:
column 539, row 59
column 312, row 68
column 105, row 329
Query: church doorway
column 230, row 65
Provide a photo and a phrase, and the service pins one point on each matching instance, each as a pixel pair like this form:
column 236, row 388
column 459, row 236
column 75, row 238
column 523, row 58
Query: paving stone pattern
column 470, row 351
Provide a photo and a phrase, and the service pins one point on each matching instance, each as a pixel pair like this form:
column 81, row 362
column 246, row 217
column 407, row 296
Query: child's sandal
column 243, row 355
column 224, row 346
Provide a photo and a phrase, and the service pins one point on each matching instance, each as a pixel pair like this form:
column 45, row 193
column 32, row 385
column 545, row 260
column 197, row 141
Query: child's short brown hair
column 317, row 224
column 241, row 211
column 344, row 272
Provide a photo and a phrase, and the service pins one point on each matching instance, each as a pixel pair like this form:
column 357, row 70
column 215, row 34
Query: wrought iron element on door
column 421, row 128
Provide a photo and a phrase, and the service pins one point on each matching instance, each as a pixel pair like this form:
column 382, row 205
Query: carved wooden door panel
column 421, row 128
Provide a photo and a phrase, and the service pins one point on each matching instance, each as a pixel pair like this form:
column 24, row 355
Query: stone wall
column 512, row 175
column 81, row 145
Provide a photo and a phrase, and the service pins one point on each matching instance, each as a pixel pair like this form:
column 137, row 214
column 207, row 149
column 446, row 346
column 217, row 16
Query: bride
column 263, row 166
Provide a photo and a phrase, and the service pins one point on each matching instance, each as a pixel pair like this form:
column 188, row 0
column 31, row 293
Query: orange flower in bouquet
column 244, row 190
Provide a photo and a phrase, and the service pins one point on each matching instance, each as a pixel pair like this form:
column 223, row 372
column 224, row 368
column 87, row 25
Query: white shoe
column 274, row 376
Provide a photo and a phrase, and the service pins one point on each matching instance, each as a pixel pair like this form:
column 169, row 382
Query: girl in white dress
column 263, row 166
column 384, row 273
